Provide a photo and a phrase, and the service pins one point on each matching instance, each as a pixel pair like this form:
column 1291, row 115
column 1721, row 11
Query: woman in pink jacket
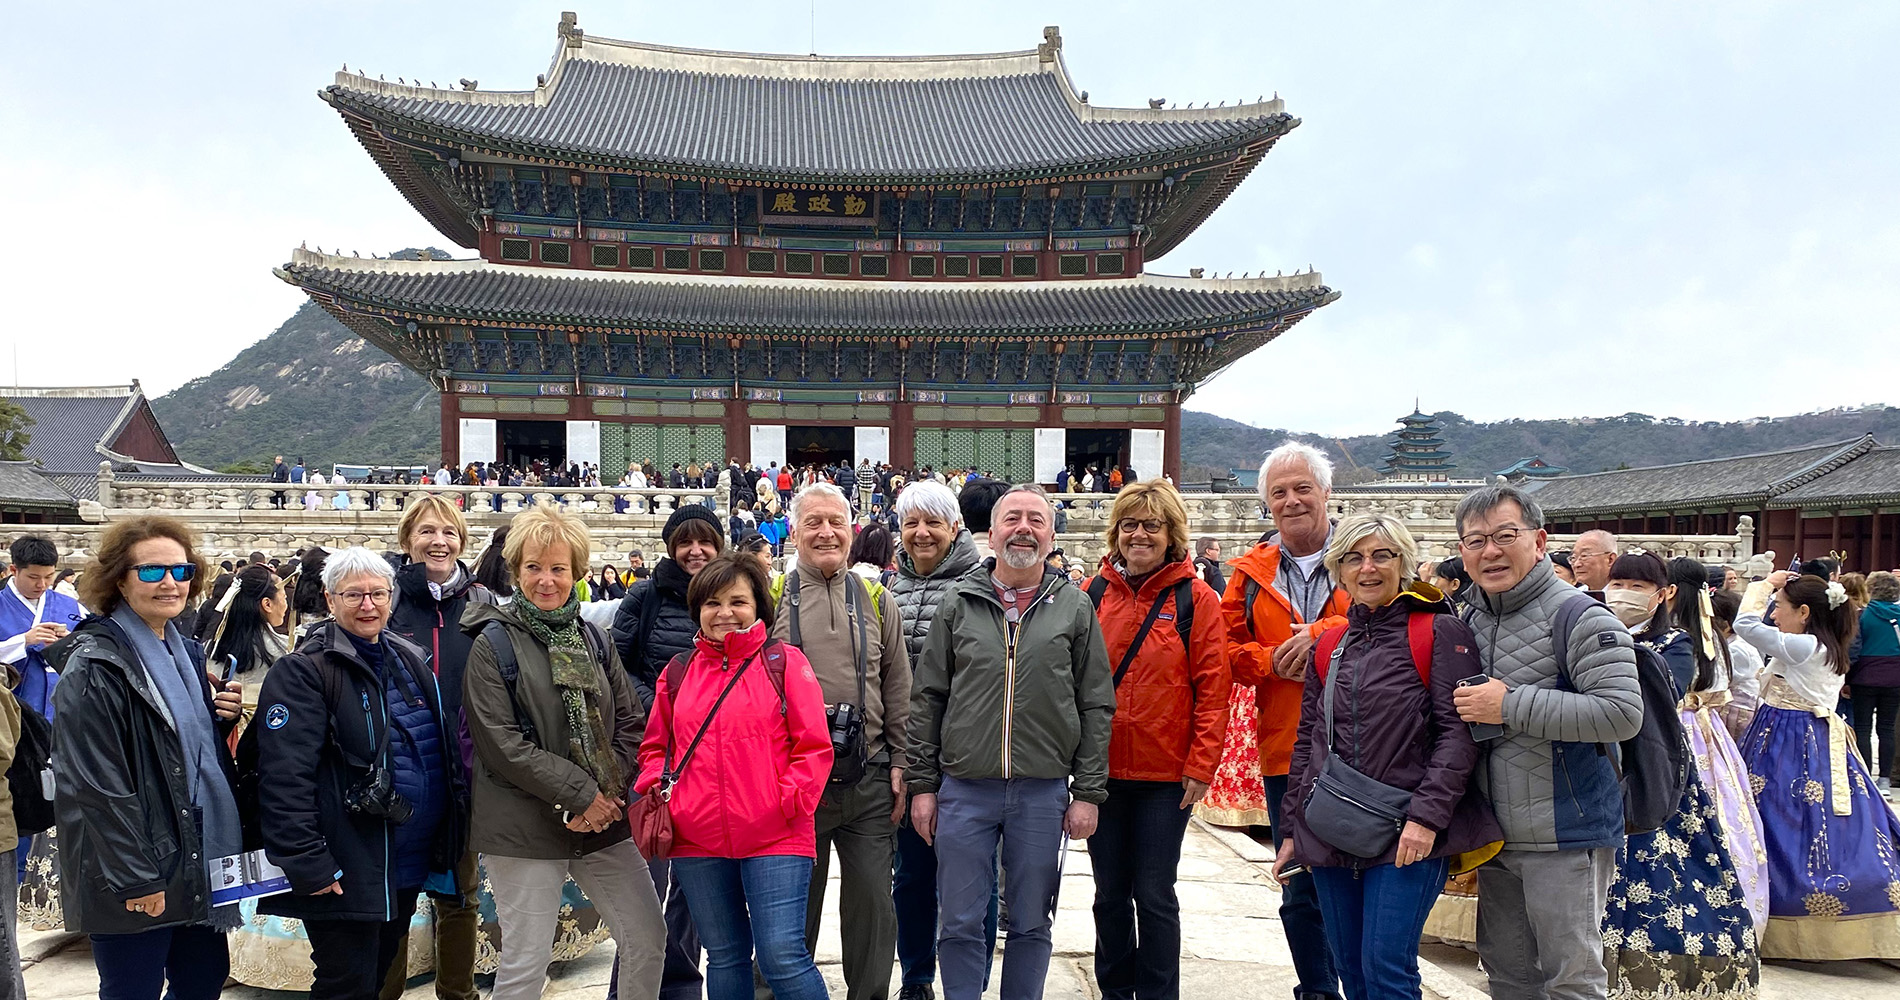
column 741, row 729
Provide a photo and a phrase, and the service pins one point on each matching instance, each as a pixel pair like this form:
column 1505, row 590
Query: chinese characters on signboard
column 824, row 208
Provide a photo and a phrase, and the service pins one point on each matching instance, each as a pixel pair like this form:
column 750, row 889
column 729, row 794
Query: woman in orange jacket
column 1168, row 644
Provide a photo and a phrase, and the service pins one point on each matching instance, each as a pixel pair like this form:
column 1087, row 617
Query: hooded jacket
column 1251, row 645
column 673, row 626
column 1392, row 728
column 1876, row 655
column 752, row 787
column 126, row 824
column 1171, row 706
column 1550, row 787
column 431, row 618
column 323, row 712
column 1040, row 708
column 520, row 789
column 919, row 595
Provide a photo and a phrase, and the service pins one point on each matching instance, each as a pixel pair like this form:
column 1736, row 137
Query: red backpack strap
column 1323, row 652
column 1418, row 627
column 675, row 672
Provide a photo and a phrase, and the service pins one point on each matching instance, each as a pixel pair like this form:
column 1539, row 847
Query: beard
column 1017, row 557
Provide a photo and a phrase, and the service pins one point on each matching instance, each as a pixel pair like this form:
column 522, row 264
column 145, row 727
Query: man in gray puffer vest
column 1549, row 777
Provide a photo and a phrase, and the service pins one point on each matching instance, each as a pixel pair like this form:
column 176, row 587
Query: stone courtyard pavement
column 1232, row 946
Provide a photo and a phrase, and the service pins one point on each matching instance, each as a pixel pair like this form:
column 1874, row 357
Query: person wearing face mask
column 739, row 744
column 652, row 625
column 1678, row 908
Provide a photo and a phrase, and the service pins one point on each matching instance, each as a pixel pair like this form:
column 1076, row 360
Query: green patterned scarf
column 577, row 678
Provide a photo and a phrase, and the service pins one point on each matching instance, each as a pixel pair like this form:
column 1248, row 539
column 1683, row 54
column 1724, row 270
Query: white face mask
column 1631, row 607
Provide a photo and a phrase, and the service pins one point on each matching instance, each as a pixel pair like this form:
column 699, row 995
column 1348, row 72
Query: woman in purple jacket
column 1398, row 660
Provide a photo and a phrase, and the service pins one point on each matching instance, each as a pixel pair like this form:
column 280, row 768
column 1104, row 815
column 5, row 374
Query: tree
column 14, row 421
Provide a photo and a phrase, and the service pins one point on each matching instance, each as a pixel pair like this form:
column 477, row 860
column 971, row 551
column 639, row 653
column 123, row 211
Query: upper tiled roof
column 499, row 294
column 1744, row 478
column 1874, row 475
column 823, row 119
column 71, row 424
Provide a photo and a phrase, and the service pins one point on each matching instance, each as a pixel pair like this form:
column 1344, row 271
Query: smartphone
column 230, row 668
column 1481, row 731
column 1291, row 870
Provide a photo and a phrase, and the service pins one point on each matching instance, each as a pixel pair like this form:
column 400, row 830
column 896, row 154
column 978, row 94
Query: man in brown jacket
column 12, row 987
column 853, row 634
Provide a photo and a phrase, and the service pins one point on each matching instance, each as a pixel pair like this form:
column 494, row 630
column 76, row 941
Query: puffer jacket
column 1044, row 709
column 520, row 788
column 1392, row 728
column 673, row 626
column 752, row 787
column 127, row 826
column 323, row 712
column 431, row 618
column 918, row 595
column 1171, row 706
column 1250, row 646
column 1875, row 659
column 1549, row 785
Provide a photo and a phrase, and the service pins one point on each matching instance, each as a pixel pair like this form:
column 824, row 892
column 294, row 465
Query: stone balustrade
column 291, row 498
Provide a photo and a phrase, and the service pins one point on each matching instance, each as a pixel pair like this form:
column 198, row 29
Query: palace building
column 686, row 255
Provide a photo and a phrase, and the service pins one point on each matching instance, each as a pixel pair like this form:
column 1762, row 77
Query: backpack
column 504, row 646
column 774, row 654
column 27, row 777
column 1653, row 766
column 1418, row 631
column 1183, row 617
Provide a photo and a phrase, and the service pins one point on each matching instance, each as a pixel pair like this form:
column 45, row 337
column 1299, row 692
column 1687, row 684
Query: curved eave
column 423, row 192
column 1645, row 509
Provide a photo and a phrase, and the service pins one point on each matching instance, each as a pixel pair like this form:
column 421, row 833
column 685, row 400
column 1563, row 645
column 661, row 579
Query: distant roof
column 21, row 485
column 1008, row 117
column 72, row 424
column 1534, row 466
column 1874, row 476
column 485, row 293
column 1741, row 479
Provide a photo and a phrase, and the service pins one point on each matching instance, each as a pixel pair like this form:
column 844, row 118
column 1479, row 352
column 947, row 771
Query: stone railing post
column 1745, row 533
column 104, row 488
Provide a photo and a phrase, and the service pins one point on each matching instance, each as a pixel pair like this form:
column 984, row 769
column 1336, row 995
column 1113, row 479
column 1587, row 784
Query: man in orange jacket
column 1278, row 602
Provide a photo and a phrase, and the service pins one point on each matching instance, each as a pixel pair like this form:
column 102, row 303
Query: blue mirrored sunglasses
column 153, row 572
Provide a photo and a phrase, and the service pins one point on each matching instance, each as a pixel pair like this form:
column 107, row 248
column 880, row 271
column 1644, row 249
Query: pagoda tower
column 1418, row 450
column 685, row 255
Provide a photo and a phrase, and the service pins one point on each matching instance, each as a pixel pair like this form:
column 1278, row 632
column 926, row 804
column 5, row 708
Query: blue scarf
column 180, row 689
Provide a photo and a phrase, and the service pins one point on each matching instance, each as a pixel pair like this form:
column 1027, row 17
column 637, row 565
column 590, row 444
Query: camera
column 846, row 722
column 374, row 795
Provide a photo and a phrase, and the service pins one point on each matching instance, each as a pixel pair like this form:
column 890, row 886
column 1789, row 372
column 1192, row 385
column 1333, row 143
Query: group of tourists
column 944, row 711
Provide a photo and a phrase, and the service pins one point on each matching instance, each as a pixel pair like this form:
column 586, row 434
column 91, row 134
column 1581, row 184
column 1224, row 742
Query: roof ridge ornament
column 1051, row 44
column 570, row 31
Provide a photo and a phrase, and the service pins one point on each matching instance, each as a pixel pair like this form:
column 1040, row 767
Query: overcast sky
column 1533, row 210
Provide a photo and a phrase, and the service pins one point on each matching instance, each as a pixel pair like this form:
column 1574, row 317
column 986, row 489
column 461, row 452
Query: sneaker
column 917, row 991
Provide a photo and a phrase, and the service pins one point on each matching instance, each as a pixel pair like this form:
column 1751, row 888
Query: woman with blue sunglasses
column 144, row 779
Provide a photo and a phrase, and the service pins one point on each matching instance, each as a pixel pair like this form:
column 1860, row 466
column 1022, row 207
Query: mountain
column 313, row 388
column 1211, row 444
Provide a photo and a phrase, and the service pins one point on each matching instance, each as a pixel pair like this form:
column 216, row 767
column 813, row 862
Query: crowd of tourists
column 1640, row 761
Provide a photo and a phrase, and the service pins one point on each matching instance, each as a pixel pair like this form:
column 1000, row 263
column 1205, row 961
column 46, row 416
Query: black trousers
column 1876, row 710
column 353, row 956
column 1135, row 854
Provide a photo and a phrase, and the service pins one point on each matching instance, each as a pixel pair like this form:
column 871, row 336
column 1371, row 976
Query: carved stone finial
column 1155, row 103
column 468, row 84
column 1051, row 44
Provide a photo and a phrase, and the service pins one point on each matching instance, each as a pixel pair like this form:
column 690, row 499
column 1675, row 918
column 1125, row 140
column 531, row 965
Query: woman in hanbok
column 1834, row 874
column 1678, row 921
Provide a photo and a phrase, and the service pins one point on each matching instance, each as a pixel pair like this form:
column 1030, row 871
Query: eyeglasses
column 154, row 572
column 1380, row 558
column 354, row 598
column 1127, row 525
column 1504, row 537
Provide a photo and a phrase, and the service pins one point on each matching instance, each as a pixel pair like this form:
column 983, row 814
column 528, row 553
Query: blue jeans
column 1135, row 853
column 914, row 895
column 1300, row 914
column 742, row 903
column 1024, row 815
column 137, row 966
column 1373, row 919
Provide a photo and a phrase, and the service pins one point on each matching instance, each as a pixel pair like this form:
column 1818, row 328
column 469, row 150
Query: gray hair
column 929, row 497
column 819, row 490
column 1883, row 586
column 353, row 562
column 1607, row 539
column 1356, row 528
column 1028, row 488
column 1299, row 451
column 1484, row 500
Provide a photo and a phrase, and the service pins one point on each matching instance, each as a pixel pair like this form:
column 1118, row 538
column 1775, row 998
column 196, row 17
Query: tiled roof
column 23, row 485
column 69, row 425
column 1873, row 476
column 1741, row 479
column 478, row 291
column 812, row 118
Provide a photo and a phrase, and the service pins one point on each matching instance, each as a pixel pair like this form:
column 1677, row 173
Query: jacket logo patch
column 1164, row 617
column 1606, row 639
column 1461, row 650
column 276, row 716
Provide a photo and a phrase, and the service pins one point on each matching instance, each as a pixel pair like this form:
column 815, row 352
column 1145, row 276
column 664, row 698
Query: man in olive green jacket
column 1011, row 707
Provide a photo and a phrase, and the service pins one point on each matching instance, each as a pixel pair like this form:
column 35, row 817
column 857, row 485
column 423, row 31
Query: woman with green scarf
column 553, row 760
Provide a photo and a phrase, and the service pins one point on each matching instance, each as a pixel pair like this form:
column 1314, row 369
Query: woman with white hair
column 935, row 549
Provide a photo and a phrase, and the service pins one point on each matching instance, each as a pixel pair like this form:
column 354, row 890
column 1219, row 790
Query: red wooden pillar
column 738, row 431
column 1875, row 558
column 1171, row 445
column 1834, row 532
column 903, row 436
column 451, row 432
